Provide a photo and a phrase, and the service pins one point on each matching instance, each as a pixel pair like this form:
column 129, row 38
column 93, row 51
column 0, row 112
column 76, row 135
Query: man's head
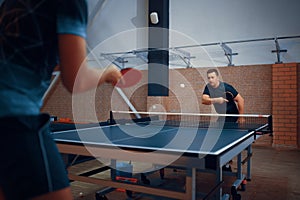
column 213, row 77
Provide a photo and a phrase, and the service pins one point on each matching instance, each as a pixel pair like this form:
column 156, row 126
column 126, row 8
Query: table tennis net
column 223, row 121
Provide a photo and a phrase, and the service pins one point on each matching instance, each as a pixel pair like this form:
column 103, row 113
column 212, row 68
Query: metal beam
column 278, row 51
column 228, row 53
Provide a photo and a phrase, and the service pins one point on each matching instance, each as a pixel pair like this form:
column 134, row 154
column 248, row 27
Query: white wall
column 115, row 19
column 215, row 20
column 210, row 21
column 121, row 26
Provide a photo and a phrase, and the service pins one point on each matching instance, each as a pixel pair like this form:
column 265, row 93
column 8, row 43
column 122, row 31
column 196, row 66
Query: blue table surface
column 152, row 137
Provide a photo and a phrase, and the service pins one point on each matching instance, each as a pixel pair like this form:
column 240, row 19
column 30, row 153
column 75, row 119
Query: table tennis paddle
column 130, row 77
column 228, row 95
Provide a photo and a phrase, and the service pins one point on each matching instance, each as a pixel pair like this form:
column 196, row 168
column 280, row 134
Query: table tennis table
column 191, row 148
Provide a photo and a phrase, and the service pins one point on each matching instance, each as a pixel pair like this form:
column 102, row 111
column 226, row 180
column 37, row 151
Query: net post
column 270, row 123
column 111, row 120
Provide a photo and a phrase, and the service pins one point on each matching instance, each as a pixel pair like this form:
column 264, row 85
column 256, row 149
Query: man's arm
column 240, row 103
column 206, row 100
column 76, row 75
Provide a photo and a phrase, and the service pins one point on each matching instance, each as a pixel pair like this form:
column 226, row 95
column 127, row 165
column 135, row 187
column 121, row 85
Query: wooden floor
column 275, row 175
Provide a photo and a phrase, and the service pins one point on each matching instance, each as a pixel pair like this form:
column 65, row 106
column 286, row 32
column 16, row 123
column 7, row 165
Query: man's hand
column 208, row 101
column 241, row 120
column 219, row 100
column 112, row 75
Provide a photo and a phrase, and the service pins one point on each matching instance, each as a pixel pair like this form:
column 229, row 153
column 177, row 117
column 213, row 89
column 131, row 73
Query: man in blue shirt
column 36, row 36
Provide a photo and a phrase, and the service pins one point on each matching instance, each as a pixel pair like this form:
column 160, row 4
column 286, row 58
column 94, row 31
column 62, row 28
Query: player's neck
column 216, row 85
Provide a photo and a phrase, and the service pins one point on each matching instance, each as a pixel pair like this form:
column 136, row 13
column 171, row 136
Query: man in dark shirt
column 226, row 100
column 223, row 96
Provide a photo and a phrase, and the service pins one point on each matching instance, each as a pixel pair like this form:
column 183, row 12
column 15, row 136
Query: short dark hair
column 213, row 70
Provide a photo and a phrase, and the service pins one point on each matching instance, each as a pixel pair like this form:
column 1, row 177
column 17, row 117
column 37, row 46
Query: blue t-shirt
column 223, row 88
column 29, row 48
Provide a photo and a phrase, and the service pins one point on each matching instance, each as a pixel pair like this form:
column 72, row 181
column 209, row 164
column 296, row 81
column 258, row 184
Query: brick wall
column 254, row 83
column 285, row 105
column 298, row 88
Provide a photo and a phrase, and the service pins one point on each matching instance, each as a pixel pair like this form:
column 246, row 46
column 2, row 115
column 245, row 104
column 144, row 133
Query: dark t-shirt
column 225, row 108
column 29, row 48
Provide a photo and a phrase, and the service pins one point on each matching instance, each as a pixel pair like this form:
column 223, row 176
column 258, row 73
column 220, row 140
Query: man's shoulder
column 230, row 88
column 227, row 85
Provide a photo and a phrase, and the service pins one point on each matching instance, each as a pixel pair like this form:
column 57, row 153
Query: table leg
column 239, row 166
column 190, row 185
column 249, row 153
column 219, row 177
